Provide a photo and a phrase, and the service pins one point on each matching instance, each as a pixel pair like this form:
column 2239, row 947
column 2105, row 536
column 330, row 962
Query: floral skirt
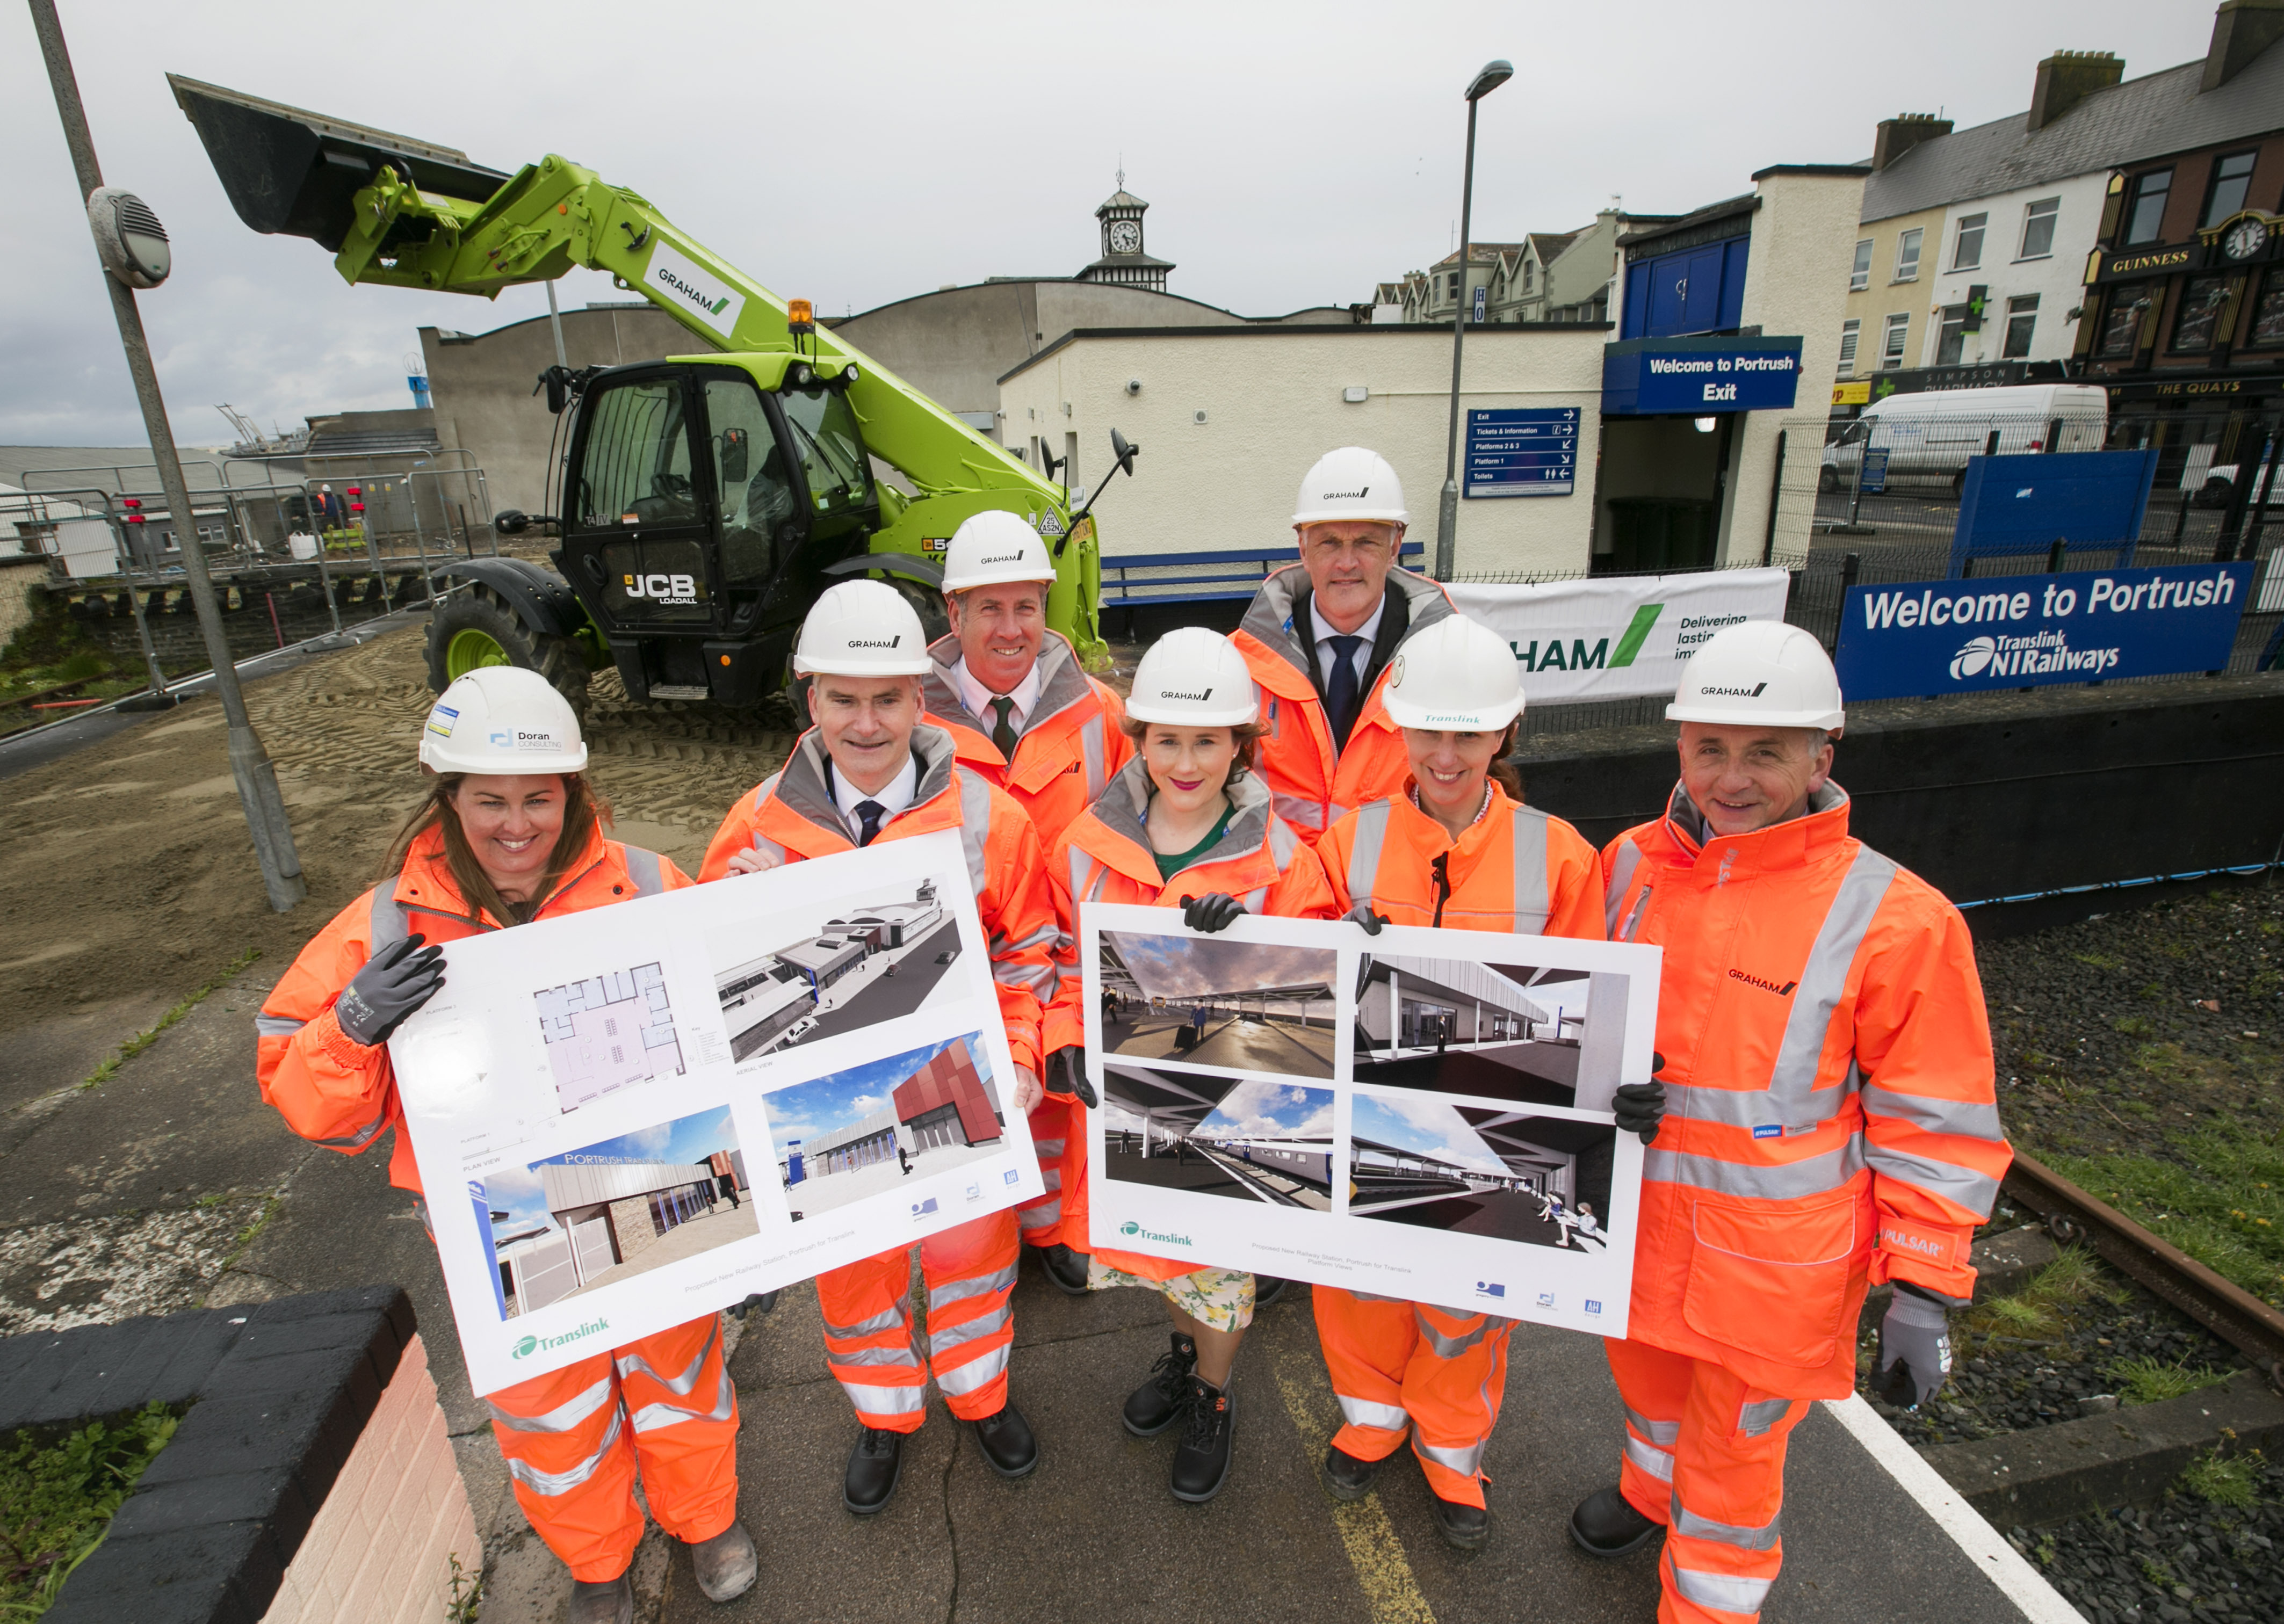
column 1220, row 1298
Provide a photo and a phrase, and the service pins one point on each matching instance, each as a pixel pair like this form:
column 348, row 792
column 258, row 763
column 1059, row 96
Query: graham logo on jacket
column 1781, row 989
column 534, row 1345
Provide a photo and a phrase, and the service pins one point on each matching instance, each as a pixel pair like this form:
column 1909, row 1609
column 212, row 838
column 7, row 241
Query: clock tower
column 1124, row 263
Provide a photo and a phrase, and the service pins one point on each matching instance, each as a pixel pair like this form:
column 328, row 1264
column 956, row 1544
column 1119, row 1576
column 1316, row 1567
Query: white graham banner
column 1619, row 636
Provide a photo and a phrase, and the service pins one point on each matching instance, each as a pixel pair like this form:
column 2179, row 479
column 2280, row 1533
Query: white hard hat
column 860, row 629
column 992, row 547
column 505, row 720
column 1759, row 674
column 1350, row 483
column 1193, row 677
column 1457, row 676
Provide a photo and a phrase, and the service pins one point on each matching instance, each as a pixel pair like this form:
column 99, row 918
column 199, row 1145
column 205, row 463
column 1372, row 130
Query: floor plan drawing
column 608, row 1033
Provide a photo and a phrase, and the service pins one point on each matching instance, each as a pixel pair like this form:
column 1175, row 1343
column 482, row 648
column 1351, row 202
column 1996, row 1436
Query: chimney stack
column 2067, row 78
column 1900, row 135
column 2242, row 31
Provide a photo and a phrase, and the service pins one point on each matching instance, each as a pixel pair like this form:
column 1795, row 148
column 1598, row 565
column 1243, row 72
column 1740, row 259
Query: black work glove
column 1071, row 1064
column 1216, row 910
column 1640, row 1106
column 394, row 981
column 1361, row 914
column 1914, row 1346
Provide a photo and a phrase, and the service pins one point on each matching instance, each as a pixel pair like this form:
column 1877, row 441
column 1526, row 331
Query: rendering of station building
column 766, row 996
column 947, row 1102
column 604, row 1213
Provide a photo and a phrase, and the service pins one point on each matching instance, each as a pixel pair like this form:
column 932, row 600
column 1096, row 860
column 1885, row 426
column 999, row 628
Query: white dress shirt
column 978, row 698
column 1362, row 658
column 894, row 798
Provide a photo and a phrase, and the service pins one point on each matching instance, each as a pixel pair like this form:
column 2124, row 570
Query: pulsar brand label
column 529, row 1345
column 691, row 288
column 661, row 589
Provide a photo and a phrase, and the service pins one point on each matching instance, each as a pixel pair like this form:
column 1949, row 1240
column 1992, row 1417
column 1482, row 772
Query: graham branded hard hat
column 1193, row 677
column 503, row 720
column 1759, row 674
column 1350, row 483
column 993, row 548
column 860, row 629
column 1458, row 677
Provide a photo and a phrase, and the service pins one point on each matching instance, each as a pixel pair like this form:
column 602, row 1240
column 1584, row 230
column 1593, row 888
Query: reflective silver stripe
column 650, row 1417
column 563, row 1417
column 902, row 1354
column 941, row 1342
column 887, row 1401
column 1282, row 844
column 1621, row 875
column 1045, row 1216
column 1633, row 920
column 1531, row 901
column 1302, row 814
column 1729, row 1592
column 1689, row 1524
column 1047, row 1147
column 1650, row 1458
column 1757, row 1418
column 1972, row 1191
column 1969, row 1119
column 1664, row 1433
column 1364, row 858
column 1451, row 1348
column 1364, row 1412
column 277, row 1025
column 648, row 873
column 974, row 826
column 553, row 1483
column 768, row 847
column 981, row 1285
column 1465, row 1462
column 679, row 1385
column 1752, row 1107
column 1256, row 900
column 888, row 1319
column 387, row 921
column 1081, row 870
column 1051, row 1178
column 977, row 1372
column 1809, row 1176
column 1090, row 749
column 358, row 1138
column 1824, row 979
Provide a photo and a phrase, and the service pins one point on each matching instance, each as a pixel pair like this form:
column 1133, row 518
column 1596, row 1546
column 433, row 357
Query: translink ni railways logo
column 535, row 1345
column 2048, row 651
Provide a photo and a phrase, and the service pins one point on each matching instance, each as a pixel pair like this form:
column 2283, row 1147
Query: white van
column 1929, row 436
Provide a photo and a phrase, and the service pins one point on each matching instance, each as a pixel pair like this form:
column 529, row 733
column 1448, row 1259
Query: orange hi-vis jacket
column 791, row 816
column 1516, row 868
column 1105, row 857
column 1830, row 1120
column 1070, row 746
column 340, row 1094
column 1312, row 782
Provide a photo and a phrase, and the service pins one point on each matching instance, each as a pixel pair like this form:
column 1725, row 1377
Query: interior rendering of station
column 1543, row 1036
column 1247, row 1023
column 1532, row 1178
column 1169, row 1129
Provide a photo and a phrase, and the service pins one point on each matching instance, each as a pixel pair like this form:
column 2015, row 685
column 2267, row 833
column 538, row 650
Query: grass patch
column 2231, row 1481
column 56, row 1501
column 149, row 1036
column 2153, row 1381
column 2035, row 1311
column 2132, row 1025
column 2222, row 1201
column 2101, row 961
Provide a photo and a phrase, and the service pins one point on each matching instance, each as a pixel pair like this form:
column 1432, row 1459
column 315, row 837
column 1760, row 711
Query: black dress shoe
column 1066, row 1270
column 1267, row 1289
column 1201, row 1464
column 1009, row 1448
column 1464, row 1528
column 875, row 1466
column 1606, row 1524
column 1345, row 1477
column 1161, row 1400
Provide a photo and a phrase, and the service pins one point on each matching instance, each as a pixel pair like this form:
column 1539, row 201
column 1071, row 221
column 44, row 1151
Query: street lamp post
column 1494, row 75
column 249, row 763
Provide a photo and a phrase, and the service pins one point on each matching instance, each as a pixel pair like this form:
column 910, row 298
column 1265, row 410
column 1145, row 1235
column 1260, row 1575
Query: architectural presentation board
column 1421, row 1114
column 647, row 1112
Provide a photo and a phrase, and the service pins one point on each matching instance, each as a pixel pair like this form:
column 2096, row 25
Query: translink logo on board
column 534, row 1345
column 1131, row 1228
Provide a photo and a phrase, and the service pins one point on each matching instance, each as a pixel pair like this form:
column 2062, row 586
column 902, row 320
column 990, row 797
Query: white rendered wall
column 2058, row 279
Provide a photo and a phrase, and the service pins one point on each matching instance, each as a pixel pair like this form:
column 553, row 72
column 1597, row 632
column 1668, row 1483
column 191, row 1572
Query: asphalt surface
column 1275, row 1046
column 890, row 996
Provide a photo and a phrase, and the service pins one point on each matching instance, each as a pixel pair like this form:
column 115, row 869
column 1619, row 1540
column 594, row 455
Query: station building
column 947, row 1102
column 606, row 1213
column 764, row 996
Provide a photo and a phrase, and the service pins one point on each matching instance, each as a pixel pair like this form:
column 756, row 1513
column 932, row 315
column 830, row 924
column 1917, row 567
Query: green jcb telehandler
column 701, row 503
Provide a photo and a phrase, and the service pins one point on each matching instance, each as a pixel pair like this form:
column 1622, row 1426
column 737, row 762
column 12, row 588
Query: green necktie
column 1002, row 731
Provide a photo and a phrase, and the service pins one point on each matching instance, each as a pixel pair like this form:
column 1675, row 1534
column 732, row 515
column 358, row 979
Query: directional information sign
column 1525, row 452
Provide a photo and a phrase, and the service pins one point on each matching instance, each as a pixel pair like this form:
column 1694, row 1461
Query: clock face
column 1125, row 237
column 2245, row 239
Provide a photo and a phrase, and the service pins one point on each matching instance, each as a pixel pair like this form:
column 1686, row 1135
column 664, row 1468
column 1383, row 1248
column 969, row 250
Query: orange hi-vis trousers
column 1058, row 1137
column 1704, row 1455
column 574, row 1438
column 1399, row 1366
column 969, row 1271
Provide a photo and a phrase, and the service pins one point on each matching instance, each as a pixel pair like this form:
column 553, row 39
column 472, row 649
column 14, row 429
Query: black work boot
column 1157, row 1403
column 875, row 1466
column 1066, row 1270
column 1464, row 1528
column 1606, row 1524
column 1267, row 1289
column 1346, row 1478
column 610, row 1601
column 1201, row 1464
column 1009, row 1448
column 727, row 1564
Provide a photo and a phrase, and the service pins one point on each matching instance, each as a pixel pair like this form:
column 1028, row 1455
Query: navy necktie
column 1003, row 730
column 869, row 813
column 1341, row 700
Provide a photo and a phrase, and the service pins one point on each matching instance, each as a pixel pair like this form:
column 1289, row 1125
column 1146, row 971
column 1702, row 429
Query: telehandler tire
column 477, row 627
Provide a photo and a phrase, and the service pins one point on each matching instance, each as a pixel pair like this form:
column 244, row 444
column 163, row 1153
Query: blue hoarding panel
column 2011, row 506
column 1520, row 451
column 2023, row 631
column 1699, row 376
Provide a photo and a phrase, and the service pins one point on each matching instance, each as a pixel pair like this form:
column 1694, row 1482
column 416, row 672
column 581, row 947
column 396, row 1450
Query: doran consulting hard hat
column 992, row 549
column 504, row 719
column 1350, row 483
column 1759, row 674
column 1458, row 677
column 1194, row 678
column 860, row 629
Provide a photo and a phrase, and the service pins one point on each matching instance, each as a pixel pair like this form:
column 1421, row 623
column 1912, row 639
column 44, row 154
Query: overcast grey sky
column 862, row 152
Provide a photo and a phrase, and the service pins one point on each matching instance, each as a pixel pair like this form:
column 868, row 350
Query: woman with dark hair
column 509, row 832
column 1184, row 824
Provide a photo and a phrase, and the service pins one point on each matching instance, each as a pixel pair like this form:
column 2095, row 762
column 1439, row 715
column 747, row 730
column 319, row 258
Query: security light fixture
column 1706, row 426
column 129, row 238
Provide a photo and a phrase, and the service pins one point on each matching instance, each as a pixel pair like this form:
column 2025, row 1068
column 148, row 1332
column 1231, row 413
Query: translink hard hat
column 504, row 719
column 1759, row 674
column 1457, row 676
column 1193, row 677
column 1350, row 483
column 860, row 629
column 992, row 549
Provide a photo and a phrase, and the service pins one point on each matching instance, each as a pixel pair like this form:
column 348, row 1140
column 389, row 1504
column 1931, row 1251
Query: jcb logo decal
column 663, row 588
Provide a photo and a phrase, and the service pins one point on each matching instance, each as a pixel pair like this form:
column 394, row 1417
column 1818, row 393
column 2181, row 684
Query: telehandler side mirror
column 732, row 455
column 1123, row 452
